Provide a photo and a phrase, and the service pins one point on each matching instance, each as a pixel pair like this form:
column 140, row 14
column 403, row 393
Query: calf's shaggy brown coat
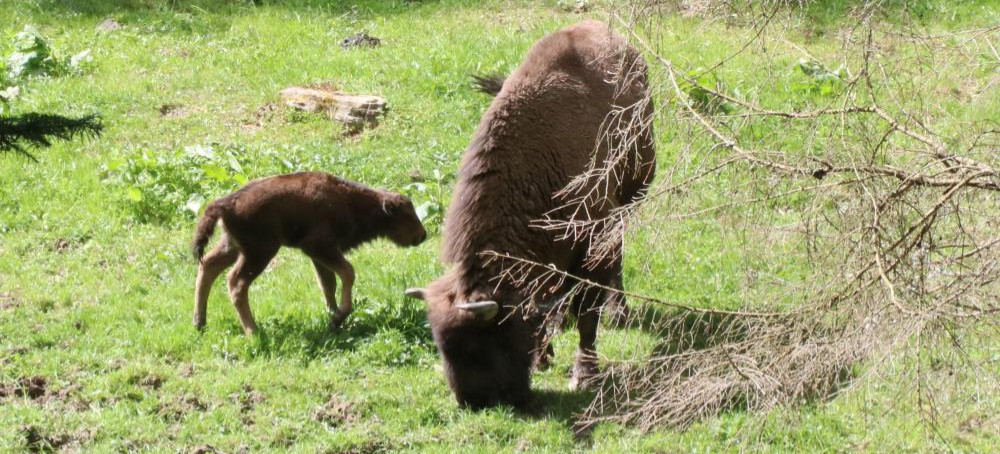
column 542, row 130
column 323, row 215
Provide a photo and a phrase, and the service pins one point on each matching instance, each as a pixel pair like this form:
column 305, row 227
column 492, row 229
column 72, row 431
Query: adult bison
column 547, row 125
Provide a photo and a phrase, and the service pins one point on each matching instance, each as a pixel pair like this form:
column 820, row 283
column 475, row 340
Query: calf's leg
column 250, row 264
column 328, row 283
column 329, row 261
column 212, row 265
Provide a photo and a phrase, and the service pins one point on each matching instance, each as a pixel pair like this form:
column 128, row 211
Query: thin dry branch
column 897, row 242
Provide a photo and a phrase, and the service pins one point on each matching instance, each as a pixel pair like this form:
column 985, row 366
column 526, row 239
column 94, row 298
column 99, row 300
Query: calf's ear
column 417, row 293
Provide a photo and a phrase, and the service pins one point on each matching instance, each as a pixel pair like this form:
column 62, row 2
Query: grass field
column 96, row 278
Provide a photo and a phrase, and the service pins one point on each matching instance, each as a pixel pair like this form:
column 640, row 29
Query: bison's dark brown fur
column 320, row 214
column 542, row 130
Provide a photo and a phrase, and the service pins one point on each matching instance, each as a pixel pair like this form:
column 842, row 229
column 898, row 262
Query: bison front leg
column 328, row 283
column 343, row 269
column 615, row 305
column 587, row 319
column 329, row 264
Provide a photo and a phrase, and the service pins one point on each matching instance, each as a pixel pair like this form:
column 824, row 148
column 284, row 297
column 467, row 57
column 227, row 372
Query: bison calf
column 320, row 214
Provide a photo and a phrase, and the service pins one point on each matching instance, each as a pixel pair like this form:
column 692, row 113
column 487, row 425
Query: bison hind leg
column 212, row 265
column 587, row 305
column 249, row 266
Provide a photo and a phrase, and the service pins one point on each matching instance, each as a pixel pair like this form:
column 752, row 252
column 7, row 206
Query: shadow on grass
column 311, row 338
column 700, row 339
column 562, row 406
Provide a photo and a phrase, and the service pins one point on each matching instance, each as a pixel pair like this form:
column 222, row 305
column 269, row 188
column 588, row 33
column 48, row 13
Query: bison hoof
column 335, row 322
column 543, row 359
column 580, row 384
column 542, row 363
column 583, row 377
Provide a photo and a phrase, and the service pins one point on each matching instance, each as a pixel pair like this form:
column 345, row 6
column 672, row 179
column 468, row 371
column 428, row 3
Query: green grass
column 96, row 288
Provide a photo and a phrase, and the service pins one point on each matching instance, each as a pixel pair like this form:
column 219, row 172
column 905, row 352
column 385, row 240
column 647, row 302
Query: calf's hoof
column 335, row 322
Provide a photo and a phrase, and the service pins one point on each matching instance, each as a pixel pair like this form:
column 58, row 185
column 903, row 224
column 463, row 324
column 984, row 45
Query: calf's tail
column 206, row 226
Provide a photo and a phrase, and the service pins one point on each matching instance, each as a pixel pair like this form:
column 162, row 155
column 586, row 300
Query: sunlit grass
column 98, row 302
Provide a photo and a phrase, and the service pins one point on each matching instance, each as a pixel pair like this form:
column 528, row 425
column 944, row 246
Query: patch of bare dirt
column 39, row 390
column 173, row 111
column 182, row 53
column 108, row 25
column 61, row 245
column 366, row 447
column 360, row 39
column 30, row 387
column 8, row 301
column 176, row 409
column 246, row 398
column 187, row 370
column 37, row 440
column 152, row 381
column 263, row 114
column 337, row 412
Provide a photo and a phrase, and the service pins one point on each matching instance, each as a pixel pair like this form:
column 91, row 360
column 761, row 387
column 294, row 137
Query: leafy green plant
column 701, row 97
column 34, row 57
column 159, row 187
column 821, row 80
column 8, row 91
column 432, row 192
column 7, row 95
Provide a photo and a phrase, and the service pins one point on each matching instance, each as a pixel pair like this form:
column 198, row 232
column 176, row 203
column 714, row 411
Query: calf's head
column 486, row 347
column 404, row 226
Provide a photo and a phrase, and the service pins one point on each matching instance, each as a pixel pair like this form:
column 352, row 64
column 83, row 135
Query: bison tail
column 490, row 84
column 206, row 226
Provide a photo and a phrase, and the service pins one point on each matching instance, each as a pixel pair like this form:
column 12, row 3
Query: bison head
column 486, row 347
column 405, row 228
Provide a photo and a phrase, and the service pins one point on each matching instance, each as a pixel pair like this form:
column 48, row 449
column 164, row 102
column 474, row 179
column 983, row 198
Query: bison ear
column 418, row 293
column 483, row 310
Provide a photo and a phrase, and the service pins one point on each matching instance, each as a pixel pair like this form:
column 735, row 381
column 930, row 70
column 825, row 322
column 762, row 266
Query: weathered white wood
column 352, row 110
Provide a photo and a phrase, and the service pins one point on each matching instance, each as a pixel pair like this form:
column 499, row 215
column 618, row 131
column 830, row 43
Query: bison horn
column 484, row 310
column 417, row 293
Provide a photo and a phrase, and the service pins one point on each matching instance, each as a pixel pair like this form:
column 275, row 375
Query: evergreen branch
column 19, row 133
